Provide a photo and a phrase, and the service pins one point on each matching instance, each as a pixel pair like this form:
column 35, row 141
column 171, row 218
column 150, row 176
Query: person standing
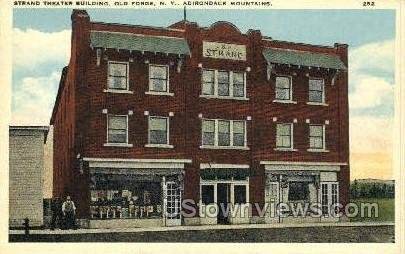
column 69, row 212
column 56, row 208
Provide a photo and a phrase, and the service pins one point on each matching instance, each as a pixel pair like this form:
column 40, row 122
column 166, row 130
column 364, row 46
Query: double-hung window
column 117, row 129
column 223, row 84
column 284, row 138
column 223, row 133
column 159, row 78
column 317, row 137
column 316, row 91
column 158, row 130
column 118, row 75
column 283, row 88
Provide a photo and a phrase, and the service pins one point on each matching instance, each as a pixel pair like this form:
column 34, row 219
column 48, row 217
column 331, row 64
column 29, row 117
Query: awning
column 225, row 173
column 136, row 42
column 302, row 58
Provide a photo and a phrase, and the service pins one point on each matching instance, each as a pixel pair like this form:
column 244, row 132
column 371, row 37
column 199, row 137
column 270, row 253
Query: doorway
column 223, row 200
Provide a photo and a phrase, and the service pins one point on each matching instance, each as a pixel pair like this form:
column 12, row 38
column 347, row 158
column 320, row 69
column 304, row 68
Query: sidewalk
column 200, row 228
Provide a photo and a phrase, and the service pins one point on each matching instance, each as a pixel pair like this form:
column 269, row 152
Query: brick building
column 147, row 117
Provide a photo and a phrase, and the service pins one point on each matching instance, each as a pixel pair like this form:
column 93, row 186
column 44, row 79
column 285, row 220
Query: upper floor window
column 283, row 88
column 118, row 75
column 223, row 84
column 316, row 90
column 316, row 137
column 224, row 133
column 284, row 135
column 117, row 129
column 158, row 130
column 159, row 78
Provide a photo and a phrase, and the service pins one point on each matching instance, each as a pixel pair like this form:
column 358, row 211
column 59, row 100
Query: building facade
column 26, row 160
column 147, row 118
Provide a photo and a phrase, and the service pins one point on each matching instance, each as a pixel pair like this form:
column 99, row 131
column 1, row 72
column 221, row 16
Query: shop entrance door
column 172, row 203
column 223, row 200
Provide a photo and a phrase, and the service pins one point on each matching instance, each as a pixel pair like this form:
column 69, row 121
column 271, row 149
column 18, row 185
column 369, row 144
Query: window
column 158, row 78
column 223, row 133
column 238, row 84
column 207, row 194
column 334, row 190
column 329, row 197
column 117, row 129
column 324, row 197
column 158, row 130
column 223, row 84
column 208, row 129
column 283, row 88
column 240, row 194
column 298, row 191
column 316, row 137
column 118, row 76
column 284, row 136
column 316, row 90
column 208, row 81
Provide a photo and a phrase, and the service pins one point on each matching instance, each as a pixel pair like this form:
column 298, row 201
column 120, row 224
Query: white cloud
column 371, row 134
column 33, row 100
column 31, row 48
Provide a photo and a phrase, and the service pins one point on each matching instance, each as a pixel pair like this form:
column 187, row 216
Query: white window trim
column 286, row 149
column 291, row 91
column 231, row 146
column 112, row 90
column 167, row 145
column 316, row 103
column 232, row 186
column 323, row 149
column 167, row 92
column 230, row 97
column 118, row 144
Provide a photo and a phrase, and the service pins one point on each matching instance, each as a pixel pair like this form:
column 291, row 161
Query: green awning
column 144, row 43
column 303, row 58
column 225, row 173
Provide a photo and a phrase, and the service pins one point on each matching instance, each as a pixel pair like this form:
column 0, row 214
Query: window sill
column 224, row 97
column 317, row 103
column 159, row 93
column 318, row 150
column 285, row 149
column 225, row 147
column 117, row 91
column 285, row 101
column 118, row 144
column 159, row 146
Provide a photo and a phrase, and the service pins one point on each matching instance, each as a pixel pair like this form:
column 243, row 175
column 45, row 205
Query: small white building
column 26, row 158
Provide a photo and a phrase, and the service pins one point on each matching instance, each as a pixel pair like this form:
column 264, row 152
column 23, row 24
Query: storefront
column 135, row 192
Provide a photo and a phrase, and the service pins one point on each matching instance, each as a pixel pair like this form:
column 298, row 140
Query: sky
column 41, row 48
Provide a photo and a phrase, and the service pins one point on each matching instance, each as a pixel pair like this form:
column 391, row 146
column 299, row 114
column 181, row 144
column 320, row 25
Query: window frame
column 108, row 128
column 167, row 67
column 291, row 137
column 231, row 85
column 167, row 130
column 126, row 79
column 231, row 134
column 290, row 99
column 323, row 137
column 323, row 90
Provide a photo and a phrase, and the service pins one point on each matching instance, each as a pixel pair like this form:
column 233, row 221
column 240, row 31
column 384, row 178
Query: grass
column 386, row 210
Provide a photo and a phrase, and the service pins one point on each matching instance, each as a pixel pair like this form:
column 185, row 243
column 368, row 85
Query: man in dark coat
column 56, row 208
column 69, row 212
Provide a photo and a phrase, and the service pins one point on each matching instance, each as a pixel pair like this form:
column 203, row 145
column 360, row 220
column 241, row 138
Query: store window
column 117, row 129
column 283, row 88
column 284, row 136
column 298, row 191
column 240, row 194
column 159, row 78
column 118, row 75
column 316, row 137
column 158, row 130
column 207, row 194
column 116, row 196
column 316, row 91
column 208, row 129
column 208, row 81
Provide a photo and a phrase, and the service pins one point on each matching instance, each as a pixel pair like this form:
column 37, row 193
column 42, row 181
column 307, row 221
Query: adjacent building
column 26, row 158
column 148, row 117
